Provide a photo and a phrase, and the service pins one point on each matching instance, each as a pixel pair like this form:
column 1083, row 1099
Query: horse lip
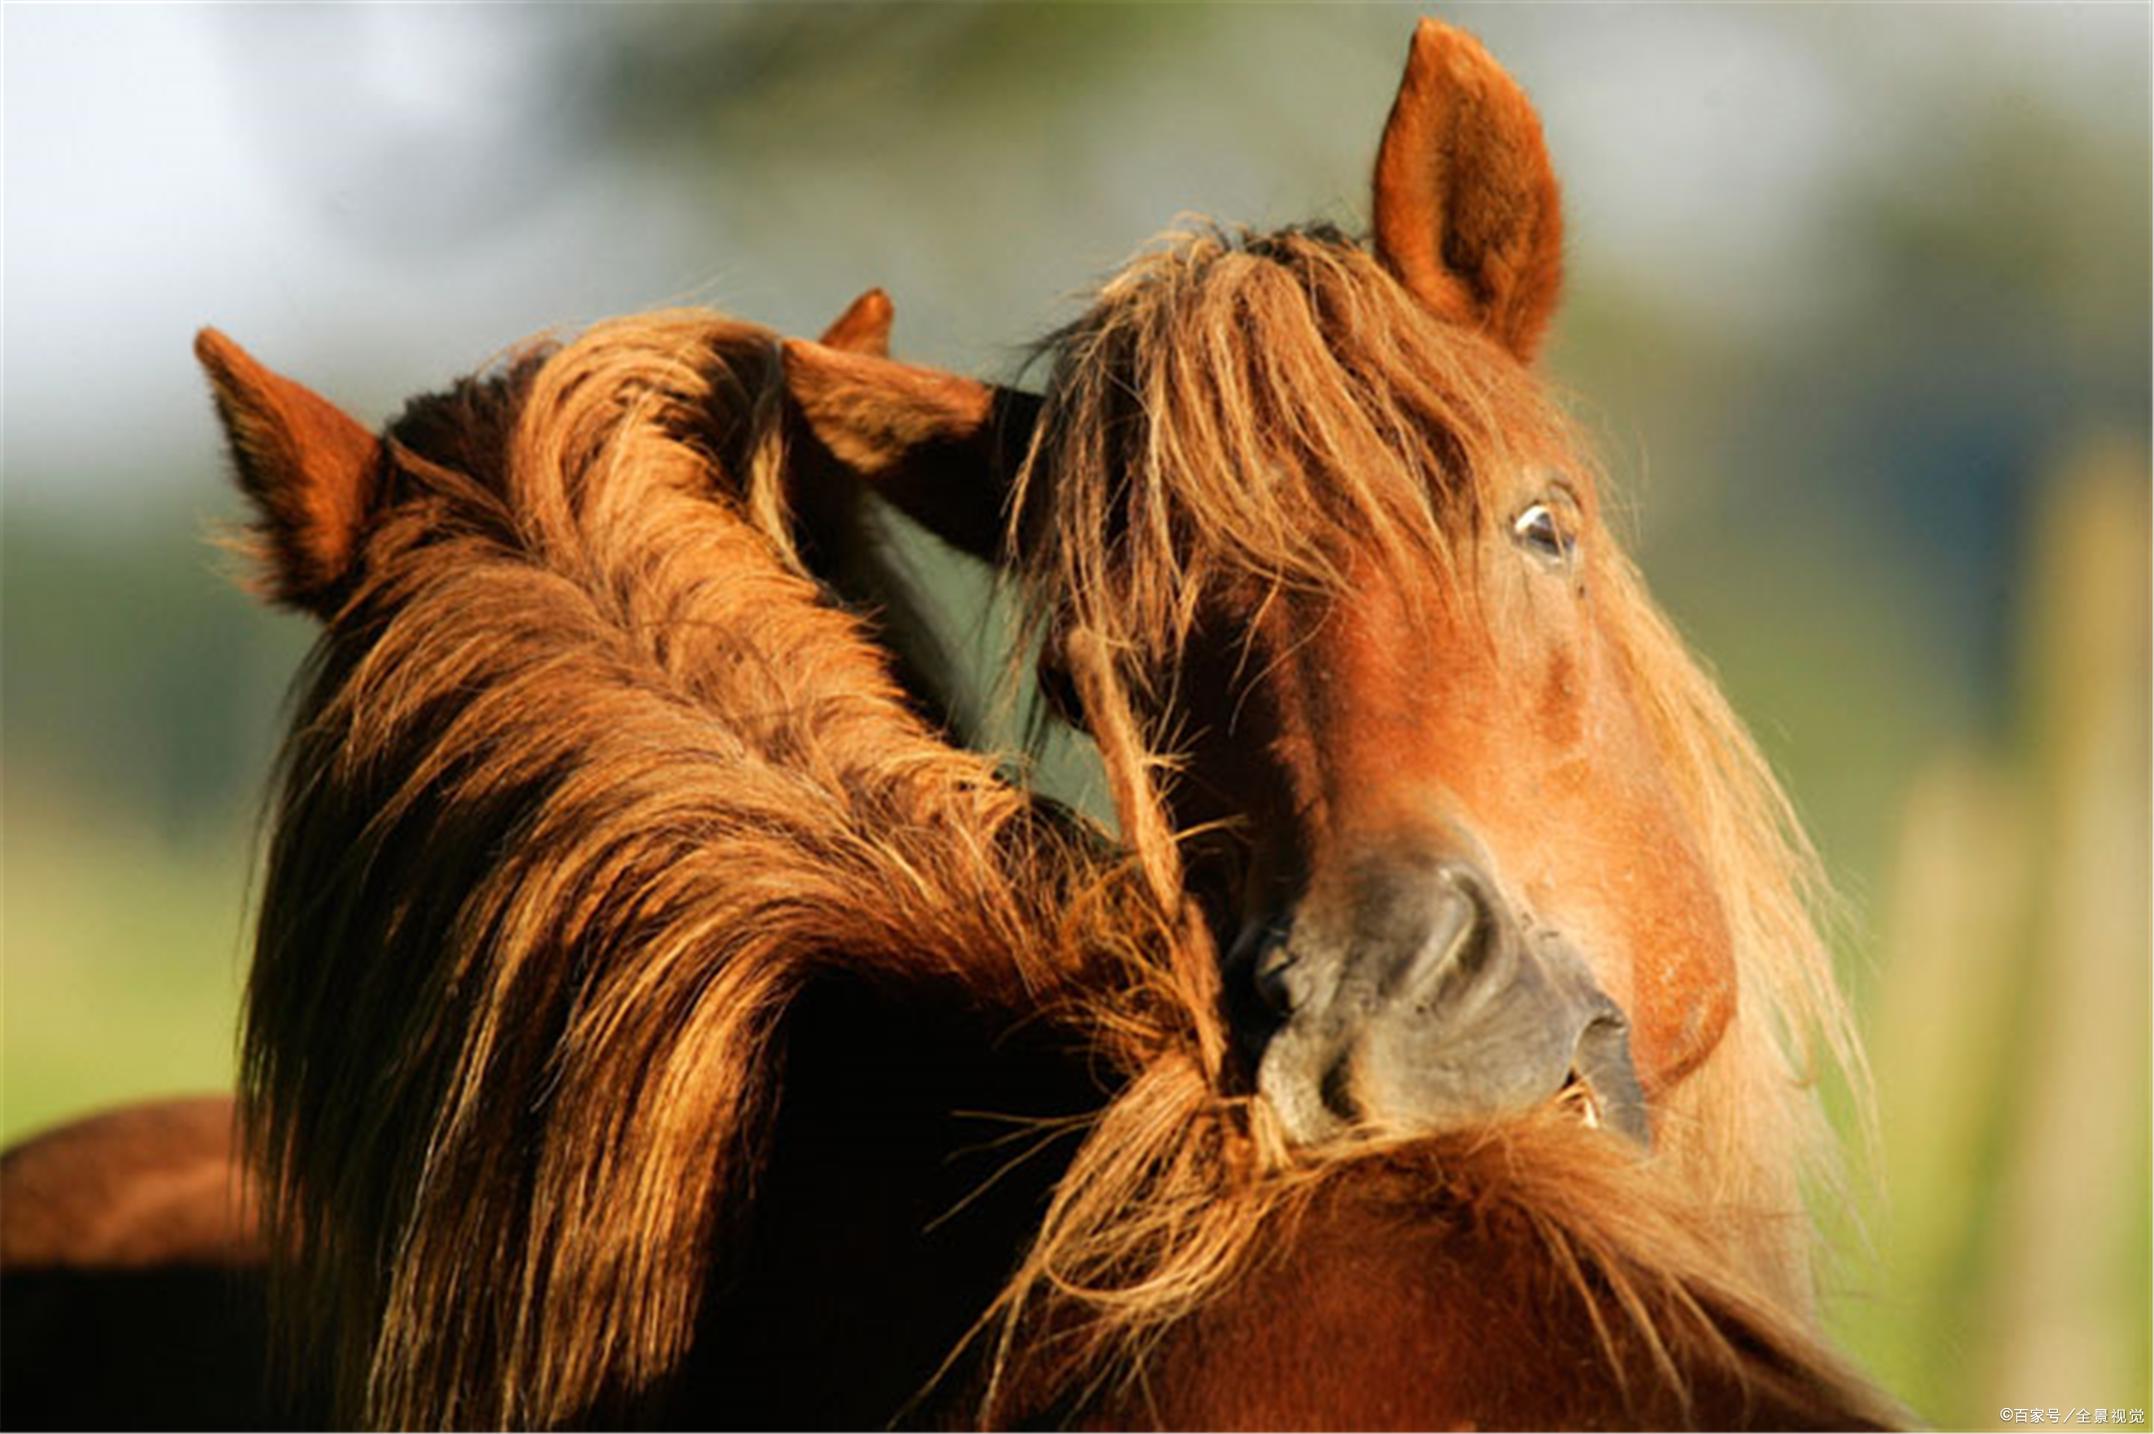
column 1602, row 1061
column 1610, row 1081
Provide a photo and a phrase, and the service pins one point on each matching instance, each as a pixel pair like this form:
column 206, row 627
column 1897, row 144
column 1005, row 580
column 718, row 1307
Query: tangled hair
column 588, row 781
column 1249, row 410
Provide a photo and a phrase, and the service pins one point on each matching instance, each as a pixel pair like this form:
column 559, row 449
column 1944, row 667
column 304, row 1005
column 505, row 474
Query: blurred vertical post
column 2066, row 1308
column 2010, row 1031
column 1954, row 933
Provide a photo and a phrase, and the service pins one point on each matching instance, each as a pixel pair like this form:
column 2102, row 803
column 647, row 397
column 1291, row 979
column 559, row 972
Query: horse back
column 132, row 1275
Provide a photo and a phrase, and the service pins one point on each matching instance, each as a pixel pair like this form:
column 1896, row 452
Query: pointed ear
column 864, row 327
column 309, row 467
column 944, row 448
column 1467, row 213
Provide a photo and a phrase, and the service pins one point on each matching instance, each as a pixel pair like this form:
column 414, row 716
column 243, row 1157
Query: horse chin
column 1432, row 1009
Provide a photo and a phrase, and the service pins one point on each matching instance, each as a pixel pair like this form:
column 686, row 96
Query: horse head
column 1301, row 528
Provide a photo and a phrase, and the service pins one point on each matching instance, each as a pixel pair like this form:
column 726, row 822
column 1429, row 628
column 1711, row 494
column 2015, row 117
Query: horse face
column 1470, row 883
column 1462, row 880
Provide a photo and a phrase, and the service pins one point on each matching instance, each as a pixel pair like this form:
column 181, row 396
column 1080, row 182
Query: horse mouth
column 1361, row 1092
column 1602, row 1083
column 1439, row 1011
column 1578, row 1099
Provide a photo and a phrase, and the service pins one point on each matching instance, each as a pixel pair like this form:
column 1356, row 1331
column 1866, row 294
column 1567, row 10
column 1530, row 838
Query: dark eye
column 1545, row 533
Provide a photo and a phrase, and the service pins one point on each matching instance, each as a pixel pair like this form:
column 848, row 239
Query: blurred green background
column 1859, row 306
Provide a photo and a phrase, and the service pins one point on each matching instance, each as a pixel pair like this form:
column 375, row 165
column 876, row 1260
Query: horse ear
column 864, row 327
column 942, row 447
column 1467, row 212
column 308, row 466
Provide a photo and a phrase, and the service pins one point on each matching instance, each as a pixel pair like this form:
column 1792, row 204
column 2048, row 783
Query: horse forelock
column 1260, row 408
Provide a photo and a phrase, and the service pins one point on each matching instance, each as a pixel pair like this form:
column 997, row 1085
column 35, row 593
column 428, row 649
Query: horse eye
column 1544, row 534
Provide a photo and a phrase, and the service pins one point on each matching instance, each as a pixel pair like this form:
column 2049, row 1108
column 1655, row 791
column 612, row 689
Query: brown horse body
column 654, row 1019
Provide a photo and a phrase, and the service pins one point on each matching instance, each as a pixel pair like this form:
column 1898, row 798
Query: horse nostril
column 1264, row 985
column 1473, row 888
column 1463, row 935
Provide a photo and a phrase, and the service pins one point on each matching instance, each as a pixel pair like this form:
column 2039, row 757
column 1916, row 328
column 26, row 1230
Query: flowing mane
column 585, row 783
column 588, row 782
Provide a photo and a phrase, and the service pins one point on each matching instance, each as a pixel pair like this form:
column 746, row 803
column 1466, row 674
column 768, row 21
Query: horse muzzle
column 1414, row 1001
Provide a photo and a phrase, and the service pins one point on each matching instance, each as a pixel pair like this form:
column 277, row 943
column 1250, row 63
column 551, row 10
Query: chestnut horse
column 654, row 1018
column 132, row 1269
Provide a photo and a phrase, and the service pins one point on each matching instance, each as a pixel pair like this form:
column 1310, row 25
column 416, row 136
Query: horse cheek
column 1683, row 975
column 1617, row 868
column 1682, row 949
